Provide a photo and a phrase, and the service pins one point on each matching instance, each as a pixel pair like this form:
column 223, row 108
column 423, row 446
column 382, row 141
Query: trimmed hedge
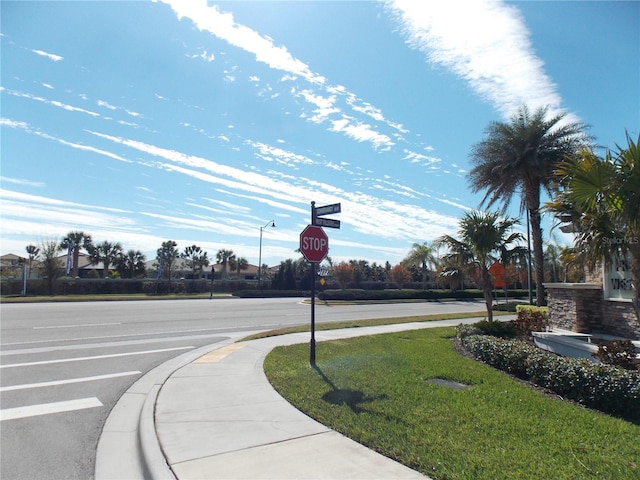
column 267, row 293
column 405, row 294
column 603, row 387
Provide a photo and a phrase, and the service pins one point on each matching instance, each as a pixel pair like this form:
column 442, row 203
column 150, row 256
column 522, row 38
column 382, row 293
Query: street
column 65, row 365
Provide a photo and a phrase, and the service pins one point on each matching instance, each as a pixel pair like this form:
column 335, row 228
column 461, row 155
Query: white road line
column 114, row 336
column 97, row 357
column 55, row 383
column 48, row 408
column 74, row 326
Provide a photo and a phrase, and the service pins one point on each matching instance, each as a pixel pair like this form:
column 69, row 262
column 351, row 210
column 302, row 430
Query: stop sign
column 314, row 243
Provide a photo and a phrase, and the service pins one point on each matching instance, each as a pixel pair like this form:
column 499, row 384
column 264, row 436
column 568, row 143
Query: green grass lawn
column 377, row 391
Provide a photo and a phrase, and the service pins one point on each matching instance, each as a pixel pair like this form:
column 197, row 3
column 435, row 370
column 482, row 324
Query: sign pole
column 312, row 349
column 312, row 345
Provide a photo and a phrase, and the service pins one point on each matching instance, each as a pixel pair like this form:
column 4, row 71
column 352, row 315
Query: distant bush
column 256, row 293
column 603, row 387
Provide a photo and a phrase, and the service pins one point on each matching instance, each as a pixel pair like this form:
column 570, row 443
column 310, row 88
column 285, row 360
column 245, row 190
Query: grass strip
column 378, row 391
column 369, row 323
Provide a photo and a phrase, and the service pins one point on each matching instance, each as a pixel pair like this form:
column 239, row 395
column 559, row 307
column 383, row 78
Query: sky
column 202, row 122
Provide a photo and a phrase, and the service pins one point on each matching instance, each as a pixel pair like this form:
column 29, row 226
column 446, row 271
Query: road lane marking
column 51, row 340
column 218, row 355
column 97, row 357
column 95, row 346
column 74, row 326
column 48, row 408
column 55, row 383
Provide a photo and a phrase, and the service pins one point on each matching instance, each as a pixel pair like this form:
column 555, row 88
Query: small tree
column 343, row 274
column 422, row 256
column 482, row 238
column 50, row 266
column 195, row 259
column 400, row 275
column 166, row 257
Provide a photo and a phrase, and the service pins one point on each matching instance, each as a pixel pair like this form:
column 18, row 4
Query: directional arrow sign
column 327, row 222
column 327, row 209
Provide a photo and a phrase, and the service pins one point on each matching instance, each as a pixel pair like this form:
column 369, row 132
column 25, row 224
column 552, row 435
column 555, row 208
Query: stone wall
column 581, row 307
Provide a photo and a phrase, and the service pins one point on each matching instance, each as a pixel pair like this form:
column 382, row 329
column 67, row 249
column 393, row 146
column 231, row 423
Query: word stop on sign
column 315, row 244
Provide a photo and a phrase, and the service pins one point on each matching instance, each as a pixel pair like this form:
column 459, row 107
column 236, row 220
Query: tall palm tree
column 521, row 156
column 601, row 197
column 75, row 241
column 131, row 264
column 422, row 255
column 105, row 252
column 223, row 256
column 240, row 264
column 482, row 238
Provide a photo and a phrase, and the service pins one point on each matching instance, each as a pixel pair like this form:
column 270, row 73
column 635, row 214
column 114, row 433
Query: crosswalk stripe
column 48, row 408
column 68, row 381
column 97, row 357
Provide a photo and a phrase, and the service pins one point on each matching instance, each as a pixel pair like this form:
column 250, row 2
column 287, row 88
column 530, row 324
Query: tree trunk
column 634, row 253
column 487, row 290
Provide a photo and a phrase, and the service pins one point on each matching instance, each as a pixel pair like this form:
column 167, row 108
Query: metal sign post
column 314, row 246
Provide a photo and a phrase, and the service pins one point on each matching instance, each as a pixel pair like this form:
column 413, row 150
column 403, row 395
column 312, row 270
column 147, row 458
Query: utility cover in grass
column 448, row 383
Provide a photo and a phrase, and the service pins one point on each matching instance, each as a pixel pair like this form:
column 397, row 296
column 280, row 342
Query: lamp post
column 273, row 225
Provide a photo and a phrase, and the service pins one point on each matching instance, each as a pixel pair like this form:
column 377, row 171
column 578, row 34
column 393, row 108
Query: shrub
column 604, row 387
column 617, row 352
column 497, row 329
column 530, row 318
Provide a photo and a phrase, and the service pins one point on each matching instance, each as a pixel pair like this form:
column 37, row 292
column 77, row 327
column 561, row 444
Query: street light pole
column 273, row 225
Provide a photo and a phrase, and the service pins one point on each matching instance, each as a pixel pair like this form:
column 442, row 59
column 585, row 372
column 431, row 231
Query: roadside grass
column 369, row 323
column 377, row 391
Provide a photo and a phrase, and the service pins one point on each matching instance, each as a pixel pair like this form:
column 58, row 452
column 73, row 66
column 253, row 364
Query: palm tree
column 521, row 156
column 132, row 264
column 223, row 256
column 75, row 241
column 422, row 255
column 105, row 252
column 601, row 198
column 482, row 238
column 240, row 263
column 33, row 252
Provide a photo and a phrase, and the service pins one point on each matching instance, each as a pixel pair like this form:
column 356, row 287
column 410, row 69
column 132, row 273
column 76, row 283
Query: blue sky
column 199, row 122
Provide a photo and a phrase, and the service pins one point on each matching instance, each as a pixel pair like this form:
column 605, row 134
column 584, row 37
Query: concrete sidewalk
column 216, row 416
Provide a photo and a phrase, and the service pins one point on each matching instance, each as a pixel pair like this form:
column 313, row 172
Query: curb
column 128, row 445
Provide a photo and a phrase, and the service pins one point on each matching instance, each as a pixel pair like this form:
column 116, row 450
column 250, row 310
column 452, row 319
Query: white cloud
column 223, row 26
column 50, row 56
column 24, row 126
column 21, row 181
column 486, row 43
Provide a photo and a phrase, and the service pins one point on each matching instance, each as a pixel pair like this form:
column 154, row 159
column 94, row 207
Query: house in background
column 11, row 265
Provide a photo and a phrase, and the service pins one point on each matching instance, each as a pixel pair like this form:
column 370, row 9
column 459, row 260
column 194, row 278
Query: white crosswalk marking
column 68, row 381
column 48, row 408
column 97, row 357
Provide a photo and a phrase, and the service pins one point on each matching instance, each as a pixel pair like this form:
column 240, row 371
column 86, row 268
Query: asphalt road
column 63, row 366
